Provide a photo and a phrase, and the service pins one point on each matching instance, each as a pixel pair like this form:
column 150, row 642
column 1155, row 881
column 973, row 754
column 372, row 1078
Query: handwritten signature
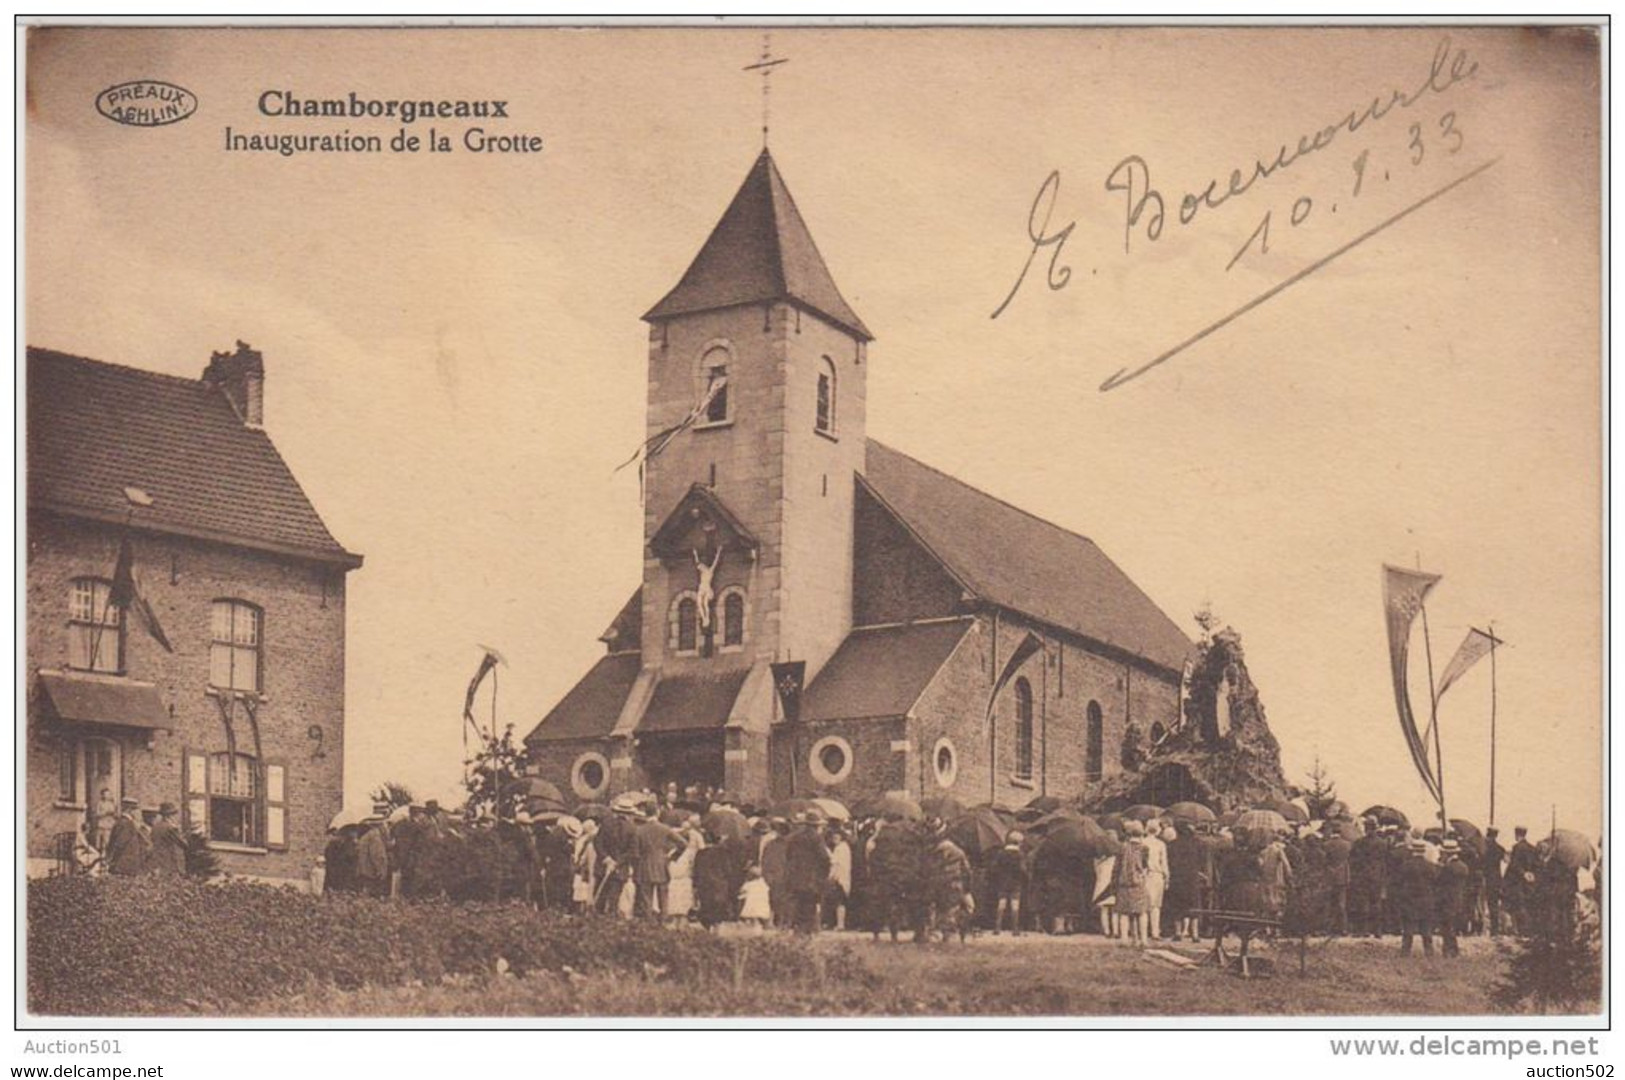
column 1145, row 209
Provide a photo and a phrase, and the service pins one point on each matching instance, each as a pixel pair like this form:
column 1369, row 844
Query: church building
column 822, row 614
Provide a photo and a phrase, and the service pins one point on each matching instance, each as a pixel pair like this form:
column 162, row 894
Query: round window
column 590, row 775
column 945, row 762
column 830, row 761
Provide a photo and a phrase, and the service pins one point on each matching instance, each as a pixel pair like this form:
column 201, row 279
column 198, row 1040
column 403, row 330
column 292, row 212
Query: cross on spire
column 765, row 65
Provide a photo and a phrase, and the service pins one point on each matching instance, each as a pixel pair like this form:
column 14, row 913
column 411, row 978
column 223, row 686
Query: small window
column 1024, row 729
column 733, row 618
column 95, row 627
column 830, row 760
column 234, row 646
column 688, row 625
column 1095, row 749
column 714, row 371
column 589, row 777
column 826, row 397
column 233, row 799
column 945, row 762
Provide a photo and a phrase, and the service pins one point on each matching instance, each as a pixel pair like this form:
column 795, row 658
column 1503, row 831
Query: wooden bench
column 1245, row 925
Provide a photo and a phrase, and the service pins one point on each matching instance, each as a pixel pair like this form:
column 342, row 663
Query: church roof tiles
column 760, row 251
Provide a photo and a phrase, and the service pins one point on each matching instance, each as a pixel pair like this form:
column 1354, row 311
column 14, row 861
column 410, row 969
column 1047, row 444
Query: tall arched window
column 234, row 646
column 1024, row 729
column 95, row 627
column 733, row 618
column 826, row 397
column 1095, row 747
column 714, row 370
column 688, row 625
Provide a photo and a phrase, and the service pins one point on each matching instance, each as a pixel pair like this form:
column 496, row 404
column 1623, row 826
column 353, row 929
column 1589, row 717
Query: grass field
column 992, row 976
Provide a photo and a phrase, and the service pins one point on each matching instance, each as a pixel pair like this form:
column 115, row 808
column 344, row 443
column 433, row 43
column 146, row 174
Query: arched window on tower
column 688, row 625
column 1024, row 729
column 714, row 370
column 826, row 397
column 1095, row 748
column 733, row 618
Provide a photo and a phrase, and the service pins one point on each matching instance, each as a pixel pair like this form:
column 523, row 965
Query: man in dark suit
column 168, row 845
column 1490, row 866
column 653, row 845
column 1450, row 893
column 127, row 847
column 1518, row 886
column 1416, row 897
column 806, row 872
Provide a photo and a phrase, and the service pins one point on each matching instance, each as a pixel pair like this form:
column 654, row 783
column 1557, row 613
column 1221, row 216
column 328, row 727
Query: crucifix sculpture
column 704, row 593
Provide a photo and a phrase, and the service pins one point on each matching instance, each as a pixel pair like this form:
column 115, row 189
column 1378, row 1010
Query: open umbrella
column 533, row 787
column 1055, row 818
column 1468, row 834
column 1570, row 848
column 1142, row 812
column 1044, row 804
column 1113, row 822
column 1265, row 821
column 592, row 811
column 833, row 809
column 354, row 814
column 1073, row 844
column 1006, row 812
column 890, row 805
column 1289, row 810
column 978, row 832
column 726, row 824
column 1190, row 811
column 945, row 807
column 1386, row 815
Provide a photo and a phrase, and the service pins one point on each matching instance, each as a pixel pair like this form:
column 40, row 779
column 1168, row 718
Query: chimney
column 241, row 377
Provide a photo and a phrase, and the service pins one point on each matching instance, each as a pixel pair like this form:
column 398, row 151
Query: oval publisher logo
column 146, row 103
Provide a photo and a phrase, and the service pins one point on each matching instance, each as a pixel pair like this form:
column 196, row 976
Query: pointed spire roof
column 760, row 251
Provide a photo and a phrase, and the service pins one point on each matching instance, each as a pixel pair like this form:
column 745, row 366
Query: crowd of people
column 127, row 841
column 700, row 857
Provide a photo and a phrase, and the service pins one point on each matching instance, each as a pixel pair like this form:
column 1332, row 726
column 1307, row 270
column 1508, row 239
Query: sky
column 455, row 362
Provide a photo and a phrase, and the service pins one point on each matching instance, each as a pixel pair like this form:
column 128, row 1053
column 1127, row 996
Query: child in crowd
column 755, row 908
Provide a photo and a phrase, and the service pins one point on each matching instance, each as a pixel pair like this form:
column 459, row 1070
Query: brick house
column 776, row 530
column 239, row 721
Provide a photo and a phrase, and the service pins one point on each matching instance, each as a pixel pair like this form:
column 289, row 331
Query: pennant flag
column 1029, row 645
column 787, row 681
column 1474, row 648
column 1403, row 592
column 653, row 445
column 126, row 594
column 490, row 660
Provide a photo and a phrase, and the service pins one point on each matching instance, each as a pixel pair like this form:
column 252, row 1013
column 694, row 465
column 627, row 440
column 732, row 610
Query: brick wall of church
column 952, row 708
column 879, row 763
column 303, row 677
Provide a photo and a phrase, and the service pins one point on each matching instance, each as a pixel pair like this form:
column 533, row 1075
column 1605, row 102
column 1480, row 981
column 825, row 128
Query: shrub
column 153, row 945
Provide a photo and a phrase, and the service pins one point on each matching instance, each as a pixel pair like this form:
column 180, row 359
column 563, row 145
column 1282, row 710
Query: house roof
column 691, row 702
column 593, row 705
column 1018, row 561
column 881, row 671
column 760, row 250
column 625, row 633
column 95, row 429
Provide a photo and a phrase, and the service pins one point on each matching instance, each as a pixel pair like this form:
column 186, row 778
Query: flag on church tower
column 1403, row 592
column 654, row 444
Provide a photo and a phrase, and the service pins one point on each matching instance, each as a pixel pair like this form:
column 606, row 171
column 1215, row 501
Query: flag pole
column 1492, row 723
column 1433, row 707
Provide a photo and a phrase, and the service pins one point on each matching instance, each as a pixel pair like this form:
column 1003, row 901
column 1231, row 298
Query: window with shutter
column 276, row 805
column 196, row 792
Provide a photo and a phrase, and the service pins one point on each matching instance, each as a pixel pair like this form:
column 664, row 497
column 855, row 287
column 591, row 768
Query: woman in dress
column 1133, row 901
column 680, row 891
column 584, row 883
column 1156, row 878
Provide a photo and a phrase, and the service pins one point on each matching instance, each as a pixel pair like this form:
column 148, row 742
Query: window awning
column 85, row 698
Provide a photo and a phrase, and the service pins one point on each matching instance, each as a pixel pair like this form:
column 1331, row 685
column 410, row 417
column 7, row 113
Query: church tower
column 748, row 509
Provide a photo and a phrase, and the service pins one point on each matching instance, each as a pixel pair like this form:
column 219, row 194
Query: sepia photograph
column 869, row 524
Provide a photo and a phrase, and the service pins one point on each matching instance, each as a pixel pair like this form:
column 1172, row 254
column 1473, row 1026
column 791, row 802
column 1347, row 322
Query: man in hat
column 1518, row 886
column 653, row 845
column 372, row 853
column 1494, row 860
column 126, row 847
column 806, row 873
column 773, row 864
column 168, row 845
column 1450, row 892
column 1416, row 897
